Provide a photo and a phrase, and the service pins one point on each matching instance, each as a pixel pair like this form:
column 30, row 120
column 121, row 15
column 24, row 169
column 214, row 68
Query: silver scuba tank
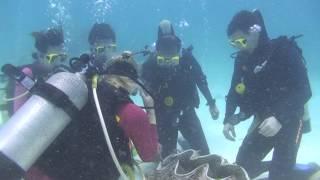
column 37, row 123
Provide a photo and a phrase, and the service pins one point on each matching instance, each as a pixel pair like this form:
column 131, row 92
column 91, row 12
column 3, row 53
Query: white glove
column 270, row 127
column 227, row 129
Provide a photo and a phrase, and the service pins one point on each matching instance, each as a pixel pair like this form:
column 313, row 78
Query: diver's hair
column 45, row 39
column 165, row 28
column 121, row 81
column 101, row 31
column 168, row 41
column 242, row 21
column 122, row 66
column 167, row 36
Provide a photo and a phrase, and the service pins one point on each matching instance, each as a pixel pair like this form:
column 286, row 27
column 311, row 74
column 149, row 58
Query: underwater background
column 201, row 23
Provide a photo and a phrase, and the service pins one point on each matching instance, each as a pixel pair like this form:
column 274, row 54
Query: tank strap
column 9, row 169
column 42, row 89
column 56, row 97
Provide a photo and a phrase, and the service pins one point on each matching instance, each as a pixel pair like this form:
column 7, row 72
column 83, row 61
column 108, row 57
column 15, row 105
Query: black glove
column 237, row 118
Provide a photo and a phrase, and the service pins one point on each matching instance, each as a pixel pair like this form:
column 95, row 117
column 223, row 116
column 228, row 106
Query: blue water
column 202, row 23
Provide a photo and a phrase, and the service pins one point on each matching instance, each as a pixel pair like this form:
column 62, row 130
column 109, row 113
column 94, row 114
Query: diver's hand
column 237, row 118
column 270, row 127
column 147, row 99
column 227, row 129
column 214, row 111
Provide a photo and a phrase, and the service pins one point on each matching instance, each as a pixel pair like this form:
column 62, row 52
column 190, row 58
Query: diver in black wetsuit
column 102, row 40
column 173, row 78
column 48, row 60
column 269, row 82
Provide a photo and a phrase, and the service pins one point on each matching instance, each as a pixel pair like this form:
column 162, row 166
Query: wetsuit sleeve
column 298, row 84
column 134, row 122
column 232, row 97
column 147, row 71
column 201, row 80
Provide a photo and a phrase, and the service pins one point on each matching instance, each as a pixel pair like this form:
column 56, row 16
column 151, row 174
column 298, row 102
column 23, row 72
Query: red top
column 134, row 121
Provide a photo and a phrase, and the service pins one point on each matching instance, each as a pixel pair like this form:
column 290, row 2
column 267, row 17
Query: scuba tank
column 40, row 120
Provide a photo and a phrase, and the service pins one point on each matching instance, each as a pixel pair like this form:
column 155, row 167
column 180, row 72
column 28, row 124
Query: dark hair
column 101, row 31
column 45, row 39
column 167, row 40
column 122, row 67
column 161, row 33
column 242, row 21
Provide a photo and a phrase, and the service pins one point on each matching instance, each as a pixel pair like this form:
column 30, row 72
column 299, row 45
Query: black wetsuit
column 176, row 97
column 80, row 152
column 280, row 89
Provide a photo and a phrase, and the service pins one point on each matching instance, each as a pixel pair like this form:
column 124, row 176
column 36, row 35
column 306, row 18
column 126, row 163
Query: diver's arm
column 147, row 69
column 147, row 72
column 299, row 86
column 232, row 98
column 231, row 105
column 201, row 81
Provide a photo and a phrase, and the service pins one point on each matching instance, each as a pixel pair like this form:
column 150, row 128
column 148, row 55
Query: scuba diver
column 269, row 82
column 172, row 77
column 81, row 151
column 102, row 40
column 48, row 60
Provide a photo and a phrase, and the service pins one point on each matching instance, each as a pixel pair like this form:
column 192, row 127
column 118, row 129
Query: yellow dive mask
column 239, row 43
column 162, row 60
column 54, row 56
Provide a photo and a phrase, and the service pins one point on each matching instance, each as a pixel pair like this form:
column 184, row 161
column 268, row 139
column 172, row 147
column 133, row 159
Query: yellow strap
column 95, row 81
column 129, row 171
column 118, row 118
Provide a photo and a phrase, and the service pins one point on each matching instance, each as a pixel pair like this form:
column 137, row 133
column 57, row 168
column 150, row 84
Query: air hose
column 15, row 98
column 104, row 128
